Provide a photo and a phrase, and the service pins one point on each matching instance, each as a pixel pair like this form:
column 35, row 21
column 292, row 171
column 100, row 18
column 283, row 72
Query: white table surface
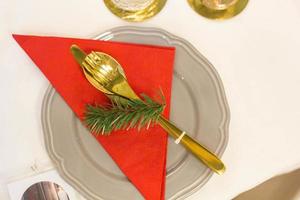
column 257, row 55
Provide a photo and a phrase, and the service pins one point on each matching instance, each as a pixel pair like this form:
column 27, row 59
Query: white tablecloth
column 257, row 55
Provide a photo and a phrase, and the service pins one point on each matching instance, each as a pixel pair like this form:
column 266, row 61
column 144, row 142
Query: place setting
column 133, row 113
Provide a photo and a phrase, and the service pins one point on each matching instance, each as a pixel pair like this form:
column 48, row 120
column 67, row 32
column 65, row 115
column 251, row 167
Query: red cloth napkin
column 140, row 155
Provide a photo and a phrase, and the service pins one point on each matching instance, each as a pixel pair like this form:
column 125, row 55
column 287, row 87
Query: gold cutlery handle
column 203, row 154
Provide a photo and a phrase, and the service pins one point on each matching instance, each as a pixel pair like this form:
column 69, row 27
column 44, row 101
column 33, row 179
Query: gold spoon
column 107, row 75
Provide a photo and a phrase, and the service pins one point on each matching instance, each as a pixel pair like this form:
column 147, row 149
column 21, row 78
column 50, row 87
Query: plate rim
column 193, row 52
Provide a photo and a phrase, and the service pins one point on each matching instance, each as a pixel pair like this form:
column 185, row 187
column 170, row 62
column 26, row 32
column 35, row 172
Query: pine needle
column 123, row 114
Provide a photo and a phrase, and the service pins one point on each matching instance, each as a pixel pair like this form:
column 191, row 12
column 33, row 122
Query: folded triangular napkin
column 140, row 155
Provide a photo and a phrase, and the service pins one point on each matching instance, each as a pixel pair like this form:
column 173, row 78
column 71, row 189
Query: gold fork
column 107, row 75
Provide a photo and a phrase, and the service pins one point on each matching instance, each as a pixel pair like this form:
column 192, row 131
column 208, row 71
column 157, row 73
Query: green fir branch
column 123, row 114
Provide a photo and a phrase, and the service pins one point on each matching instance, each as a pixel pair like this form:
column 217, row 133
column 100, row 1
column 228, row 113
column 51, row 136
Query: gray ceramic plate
column 198, row 106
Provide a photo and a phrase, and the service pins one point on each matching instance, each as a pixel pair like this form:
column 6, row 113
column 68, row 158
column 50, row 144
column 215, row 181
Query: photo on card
column 45, row 191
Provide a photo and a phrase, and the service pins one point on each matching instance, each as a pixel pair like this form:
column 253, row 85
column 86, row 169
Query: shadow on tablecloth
column 283, row 187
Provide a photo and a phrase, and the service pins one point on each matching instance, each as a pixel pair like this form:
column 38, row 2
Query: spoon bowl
column 104, row 73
